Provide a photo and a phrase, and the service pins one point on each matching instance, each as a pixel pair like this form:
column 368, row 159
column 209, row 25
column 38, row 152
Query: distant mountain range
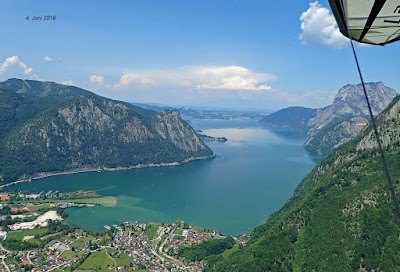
column 295, row 118
column 341, row 216
column 49, row 127
column 336, row 124
column 189, row 113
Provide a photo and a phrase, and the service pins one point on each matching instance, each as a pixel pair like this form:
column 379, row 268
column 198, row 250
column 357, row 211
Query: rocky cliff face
column 89, row 131
column 348, row 114
column 389, row 132
column 169, row 125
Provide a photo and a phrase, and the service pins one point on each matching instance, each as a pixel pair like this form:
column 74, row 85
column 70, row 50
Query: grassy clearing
column 51, row 235
column 83, row 194
column 178, row 231
column 165, row 236
column 98, row 261
column 81, row 241
column 66, row 237
column 151, row 230
column 69, row 255
column 228, row 252
column 10, row 261
column 20, row 234
column 111, row 251
column 198, row 228
column 123, row 260
column 35, row 208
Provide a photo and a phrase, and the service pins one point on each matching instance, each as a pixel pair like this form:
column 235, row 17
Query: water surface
column 252, row 176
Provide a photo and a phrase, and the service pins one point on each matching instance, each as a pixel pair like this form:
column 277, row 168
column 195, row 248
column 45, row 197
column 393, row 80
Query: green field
column 69, row 255
column 20, row 234
column 151, row 230
column 81, row 241
column 111, row 250
column 10, row 261
column 228, row 252
column 124, row 260
column 83, row 194
column 165, row 236
column 35, row 208
column 98, row 261
column 178, row 231
column 55, row 235
column 198, row 228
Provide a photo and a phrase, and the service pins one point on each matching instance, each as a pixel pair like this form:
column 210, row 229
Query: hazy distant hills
column 340, row 218
column 295, row 118
column 330, row 127
column 47, row 127
column 206, row 113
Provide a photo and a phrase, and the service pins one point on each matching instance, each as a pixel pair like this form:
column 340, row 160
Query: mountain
column 340, row 217
column 48, row 127
column 206, row 113
column 346, row 116
column 293, row 118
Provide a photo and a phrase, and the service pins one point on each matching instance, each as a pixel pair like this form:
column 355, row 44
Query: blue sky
column 244, row 54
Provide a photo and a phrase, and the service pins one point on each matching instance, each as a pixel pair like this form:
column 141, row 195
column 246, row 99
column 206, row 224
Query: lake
column 252, row 176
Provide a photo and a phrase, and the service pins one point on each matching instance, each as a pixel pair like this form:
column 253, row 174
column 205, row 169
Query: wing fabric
column 369, row 21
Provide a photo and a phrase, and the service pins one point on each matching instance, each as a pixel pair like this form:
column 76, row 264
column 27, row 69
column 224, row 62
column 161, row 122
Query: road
column 27, row 256
column 160, row 249
column 2, row 248
column 4, row 263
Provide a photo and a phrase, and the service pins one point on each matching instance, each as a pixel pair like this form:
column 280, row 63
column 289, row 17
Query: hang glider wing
column 369, row 21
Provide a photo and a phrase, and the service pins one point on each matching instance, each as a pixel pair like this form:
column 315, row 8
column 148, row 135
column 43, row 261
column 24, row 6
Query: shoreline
column 43, row 175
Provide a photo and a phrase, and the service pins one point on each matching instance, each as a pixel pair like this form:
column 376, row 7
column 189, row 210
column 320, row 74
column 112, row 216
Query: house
column 5, row 197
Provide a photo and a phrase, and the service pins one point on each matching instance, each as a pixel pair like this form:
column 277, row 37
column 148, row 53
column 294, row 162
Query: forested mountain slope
column 47, row 127
column 294, row 118
column 340, row 218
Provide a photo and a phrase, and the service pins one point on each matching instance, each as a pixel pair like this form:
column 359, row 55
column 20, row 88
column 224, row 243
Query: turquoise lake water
column 252, row 176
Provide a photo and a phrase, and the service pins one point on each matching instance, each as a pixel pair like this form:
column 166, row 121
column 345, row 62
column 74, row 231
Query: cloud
column 13, row 67
column 97, row 79
column 199, row 78
column 231, row 78
column 319, row 26
column 138, row 79
column 48, row 59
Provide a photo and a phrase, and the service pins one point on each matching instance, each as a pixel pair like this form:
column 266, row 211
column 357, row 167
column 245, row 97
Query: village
column 35, row 237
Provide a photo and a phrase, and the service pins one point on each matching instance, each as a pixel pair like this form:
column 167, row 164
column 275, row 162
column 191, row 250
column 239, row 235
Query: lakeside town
column 35, row 236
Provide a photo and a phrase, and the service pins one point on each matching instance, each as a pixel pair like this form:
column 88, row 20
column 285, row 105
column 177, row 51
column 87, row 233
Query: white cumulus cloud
column 318, row 26
column 199, row 77
column 48, row 59
column 97, row 79
column 13, row 67
column 138, row 79
column 231, row 78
